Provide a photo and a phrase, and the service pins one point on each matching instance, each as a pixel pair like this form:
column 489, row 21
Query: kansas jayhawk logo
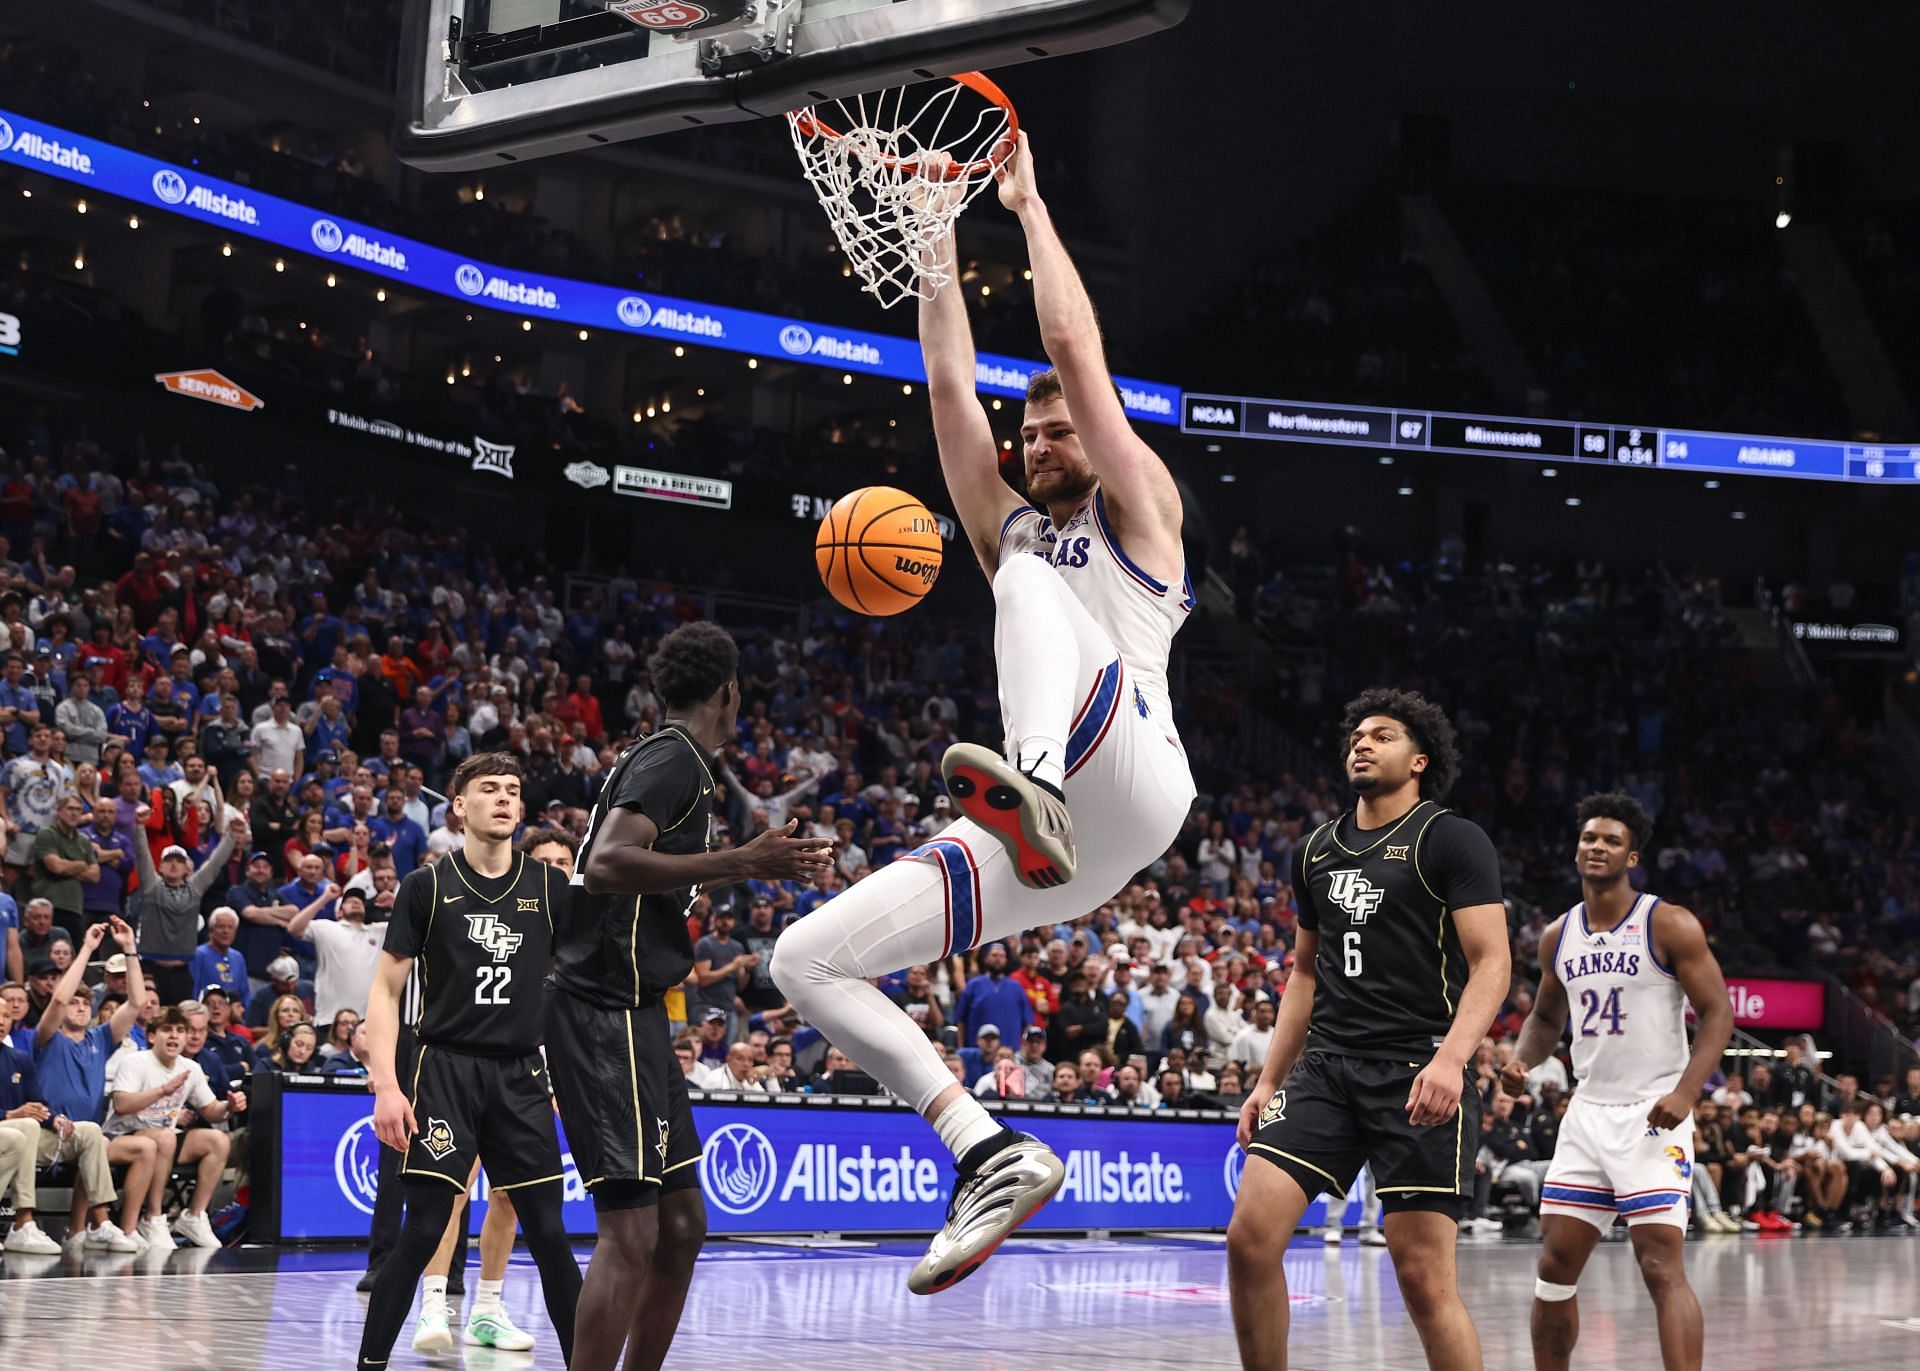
column 1681, row 1166
column 438, row 1139
column 1276, row 1108
column 1355, row 894
column 499, row 940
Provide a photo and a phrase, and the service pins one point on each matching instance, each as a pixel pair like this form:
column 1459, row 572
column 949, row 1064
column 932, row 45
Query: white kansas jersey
column 1139, row 613
column 1629, row 1015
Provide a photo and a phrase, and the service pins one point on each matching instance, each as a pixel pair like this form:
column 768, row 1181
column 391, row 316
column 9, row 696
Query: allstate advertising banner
column 805, row 1168
column 241, row 210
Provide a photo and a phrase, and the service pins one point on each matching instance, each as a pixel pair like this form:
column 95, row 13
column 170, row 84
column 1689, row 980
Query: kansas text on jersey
column 1390, row 968
column 627, row 950
column 480, row 947
column 1629, row 1013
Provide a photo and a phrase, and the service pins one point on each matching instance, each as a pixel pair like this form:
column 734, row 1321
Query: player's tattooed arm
column 1679, row 941
column 1540, row 1035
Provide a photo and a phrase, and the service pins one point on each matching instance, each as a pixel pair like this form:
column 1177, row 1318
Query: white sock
column 1036, row 649
column 433, row 1295
column 963, row 1124
column 487, row 1295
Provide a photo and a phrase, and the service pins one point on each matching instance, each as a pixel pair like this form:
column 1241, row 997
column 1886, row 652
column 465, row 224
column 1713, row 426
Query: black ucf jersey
column 480, row 947
column 1390, row 968
column 623, row 951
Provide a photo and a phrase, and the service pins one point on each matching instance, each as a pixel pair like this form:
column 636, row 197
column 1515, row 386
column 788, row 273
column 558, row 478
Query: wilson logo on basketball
column 913, row 566
column 662, row 14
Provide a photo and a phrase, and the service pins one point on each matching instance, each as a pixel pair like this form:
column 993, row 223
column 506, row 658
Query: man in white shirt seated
column 150, row 1093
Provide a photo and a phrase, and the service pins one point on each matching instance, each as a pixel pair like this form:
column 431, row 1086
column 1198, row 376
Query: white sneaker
column 492, row 1328
column 1028, row 819
column 153, row 1229
column 110, row 1238
column 28, row 1238
column 196, row 1230
column 1372, row 1237
column 431, row 1333
column 1331, row 1237
column 1483, row 1226
column 1004, row 1193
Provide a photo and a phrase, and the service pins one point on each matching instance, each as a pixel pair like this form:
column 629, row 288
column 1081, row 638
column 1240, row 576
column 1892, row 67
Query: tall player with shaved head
column 1089, row 587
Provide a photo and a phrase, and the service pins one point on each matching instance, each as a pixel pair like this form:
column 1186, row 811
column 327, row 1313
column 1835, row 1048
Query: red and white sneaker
column 1028, row 817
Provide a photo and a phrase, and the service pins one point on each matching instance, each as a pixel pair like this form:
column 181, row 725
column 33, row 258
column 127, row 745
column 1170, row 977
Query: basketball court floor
column 1064, row 1305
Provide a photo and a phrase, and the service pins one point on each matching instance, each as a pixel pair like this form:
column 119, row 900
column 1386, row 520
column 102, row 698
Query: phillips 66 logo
column 738, row 1168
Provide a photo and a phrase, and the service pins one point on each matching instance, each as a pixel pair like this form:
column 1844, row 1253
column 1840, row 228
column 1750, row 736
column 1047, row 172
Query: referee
column 479, row 926
column 623, row 944
column 1401, row 964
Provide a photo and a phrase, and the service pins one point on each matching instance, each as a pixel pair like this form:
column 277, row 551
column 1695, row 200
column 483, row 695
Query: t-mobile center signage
column 1791, row 1005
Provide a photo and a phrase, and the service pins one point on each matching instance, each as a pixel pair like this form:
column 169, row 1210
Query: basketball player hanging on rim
column 622, row 944
column 1089, row 587
column 1634, row 963
column 1400, row 965
column 477, row 926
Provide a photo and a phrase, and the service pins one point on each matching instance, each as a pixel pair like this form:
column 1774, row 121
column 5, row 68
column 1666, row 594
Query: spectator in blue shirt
column 309, row 887
column 318, row 634
column 70, row 1052
column 131, row 719
column 232, row 1049
column 217, row 961
column 107, row 896
column 992, row 998
column 33, row 1136
column 12, row 960
column 157, row 772
column 19, row 706
column 404, row 838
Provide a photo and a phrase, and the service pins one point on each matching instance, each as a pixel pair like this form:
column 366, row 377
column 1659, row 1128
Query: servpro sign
column 209, row 385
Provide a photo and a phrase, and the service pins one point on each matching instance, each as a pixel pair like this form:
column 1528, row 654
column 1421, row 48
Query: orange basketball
column 878, row 550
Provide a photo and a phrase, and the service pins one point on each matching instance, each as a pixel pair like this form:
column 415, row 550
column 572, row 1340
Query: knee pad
column 1549, row 1293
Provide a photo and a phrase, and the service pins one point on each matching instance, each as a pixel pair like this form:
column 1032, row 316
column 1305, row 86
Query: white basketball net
column 864, row 156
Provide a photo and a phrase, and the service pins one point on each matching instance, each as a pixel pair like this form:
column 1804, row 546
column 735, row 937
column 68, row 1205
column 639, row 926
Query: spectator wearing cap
column 264, row 915
column 113, row 982
column 61, row 861
column 225, row 1037
column 405, row 839
column 721, row 966
column 348, row 950
column 992, row 997
column 32, row 786
column 714, row 1041
column 1157, row 1001
column 83, row 721
column 1033, row 1075
column 166, row 908
column 327, row 727
column 106, row 894
column 279, row 744
column 19, row 706
column 157, row 772
column 217, row 961
column 977, row 1061
column 283, row 980
column 42, row 976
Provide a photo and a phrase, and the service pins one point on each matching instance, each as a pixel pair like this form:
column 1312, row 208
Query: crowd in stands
column 225, row 725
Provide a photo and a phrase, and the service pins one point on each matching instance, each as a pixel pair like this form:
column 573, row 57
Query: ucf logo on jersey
column 1276, row 1109
column 1355, row 894
column 500, row 941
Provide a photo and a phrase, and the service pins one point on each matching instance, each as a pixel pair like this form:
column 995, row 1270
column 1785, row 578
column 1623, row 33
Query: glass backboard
column 490, row 81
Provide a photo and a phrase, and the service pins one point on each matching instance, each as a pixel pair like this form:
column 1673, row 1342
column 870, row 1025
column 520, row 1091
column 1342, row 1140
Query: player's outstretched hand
column 1513, row 1078
column 393, row 1121
column 777, row 855
column 1668, row 1110
column 1435, row 1096
column 1250, row 1113
column 1015, row 177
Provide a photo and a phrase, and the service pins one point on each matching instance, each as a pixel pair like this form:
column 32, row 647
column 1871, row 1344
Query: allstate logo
column 327, row 235
column 738, row 1168
column 1231, row 1170
column 356, row 1165
column 170, row 185
column 633, row 311
column 6, row 135
column 796, row 339
column 469, row 278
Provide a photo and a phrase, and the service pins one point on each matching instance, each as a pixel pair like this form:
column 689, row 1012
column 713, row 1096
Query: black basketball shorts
column 623, row 1099
column 498, row 1109
column 1335, row 1114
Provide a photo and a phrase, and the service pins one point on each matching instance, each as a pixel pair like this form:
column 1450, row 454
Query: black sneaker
column 367, row 1281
